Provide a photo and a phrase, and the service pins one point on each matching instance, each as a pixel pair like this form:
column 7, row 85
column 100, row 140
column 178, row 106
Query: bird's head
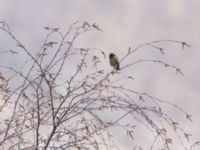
column 111, row 55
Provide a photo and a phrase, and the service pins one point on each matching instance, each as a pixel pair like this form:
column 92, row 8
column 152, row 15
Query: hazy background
column 125, row 23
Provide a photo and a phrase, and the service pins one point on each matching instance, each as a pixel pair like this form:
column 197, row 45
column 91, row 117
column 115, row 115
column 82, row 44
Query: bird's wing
column 116, row 58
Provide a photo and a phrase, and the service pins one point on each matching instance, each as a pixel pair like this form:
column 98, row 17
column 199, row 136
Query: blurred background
column 125, row 24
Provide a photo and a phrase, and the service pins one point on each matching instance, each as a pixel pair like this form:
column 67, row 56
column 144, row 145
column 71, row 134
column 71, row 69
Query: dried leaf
column 43, row 54
column 87, row 130
column 101, row 71
column 94, row 58
column 167, row 65
column 55, row 29
column 25, row 96
column 20, row 45
column 95, row 64
column 175, row 123
column 13, row 52
column 129, row 50
column 50, row 44
column 86, row 24
column 178, row 71
column 161, row 51
column 187, row 136
column 2, row 77
column 185, row 44
column 83, row 50
column 141, row 98
column 94, row 25
column 47, row 28
column 130, row 77
column 168, row 140
column 130, row 134
column 189, row 117
column 102, row 52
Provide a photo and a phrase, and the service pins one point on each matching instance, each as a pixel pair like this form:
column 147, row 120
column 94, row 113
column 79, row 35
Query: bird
column 114, row 61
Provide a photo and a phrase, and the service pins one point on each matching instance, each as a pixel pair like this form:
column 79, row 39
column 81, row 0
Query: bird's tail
column 117, row 67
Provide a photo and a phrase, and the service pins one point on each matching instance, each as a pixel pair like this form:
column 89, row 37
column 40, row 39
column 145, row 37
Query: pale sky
column 125, row 23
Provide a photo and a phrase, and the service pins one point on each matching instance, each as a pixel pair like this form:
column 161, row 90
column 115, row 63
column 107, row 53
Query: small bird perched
column 114, row 61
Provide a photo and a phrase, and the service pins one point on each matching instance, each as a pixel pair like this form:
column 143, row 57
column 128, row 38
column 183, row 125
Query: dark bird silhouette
column 114, row 61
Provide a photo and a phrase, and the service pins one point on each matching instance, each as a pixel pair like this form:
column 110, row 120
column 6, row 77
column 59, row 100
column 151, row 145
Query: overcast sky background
column 125, row 23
